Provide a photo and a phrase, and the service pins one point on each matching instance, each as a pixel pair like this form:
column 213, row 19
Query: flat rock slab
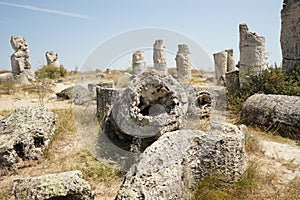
column 67, row 185
column 173, row 165
column 24, row 135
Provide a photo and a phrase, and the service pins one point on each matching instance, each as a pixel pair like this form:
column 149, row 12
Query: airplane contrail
column 52, row 11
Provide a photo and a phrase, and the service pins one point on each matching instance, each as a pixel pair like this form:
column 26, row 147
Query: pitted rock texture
column 20, row 61
column 24, row 135
column 252, row 54
column 183, row 63
column 151, row 105
column 290, row 35
column 159, row 56
column 173, row 165
column 280, row 111
column 52, row 59
column 138, row 62
column 66, row 185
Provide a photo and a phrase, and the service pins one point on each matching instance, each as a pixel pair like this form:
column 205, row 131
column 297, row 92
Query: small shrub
column 52, row 72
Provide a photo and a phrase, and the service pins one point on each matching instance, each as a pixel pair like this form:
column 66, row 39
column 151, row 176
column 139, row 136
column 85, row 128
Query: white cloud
column 52, row 11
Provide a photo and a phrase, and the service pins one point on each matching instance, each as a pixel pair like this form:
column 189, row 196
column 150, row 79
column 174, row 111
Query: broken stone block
column 183, row 63
column 138, row 62
column 106, row 97
column 152, row 104
column 252, row 54
column 279, row 111
column 174, row 164
column 290, row 35
column 78, row 94
column 159, row 56
column 220, row 59
column 52, row 59
column 24, row 135
column 20, row 61
column 232, row 81
column 66, row 185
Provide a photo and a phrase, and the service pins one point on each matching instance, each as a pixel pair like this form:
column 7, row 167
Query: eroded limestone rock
column 138, row 62
column 106, row 97
column 220, row 59
column 151, row 105
column 52, row 59
column 230, row 60
column 159, row 56
column 20, row 61
column 183, row 63
column 173, row 165
column 252, row 54
column 78, row 94
column 290, row 35
column 24, row 135
column 279, row 111
column 66, row 185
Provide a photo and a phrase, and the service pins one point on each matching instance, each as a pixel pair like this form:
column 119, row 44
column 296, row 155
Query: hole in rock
column 19, row 148
column 155, row 100
column 67, row 197
column 203, row 99
column 38, row 141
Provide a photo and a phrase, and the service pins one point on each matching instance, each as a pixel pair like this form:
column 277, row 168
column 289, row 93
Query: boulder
column 24, row 135
column 280, row 111
column 173, row 165
column 66, row 185
column 78, row 94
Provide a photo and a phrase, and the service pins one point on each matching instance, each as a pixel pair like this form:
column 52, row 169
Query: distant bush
column 52, row 72
column 272, row 81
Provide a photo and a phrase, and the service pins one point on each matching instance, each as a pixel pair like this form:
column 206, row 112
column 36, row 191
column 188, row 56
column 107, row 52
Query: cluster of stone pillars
column 183, row 63
column 252, row 60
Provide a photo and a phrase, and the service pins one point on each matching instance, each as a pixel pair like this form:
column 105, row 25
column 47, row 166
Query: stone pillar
column 290, row 35
column 105, row 100
column 138, row 62
column 183, row 62
column 220, row 66
column 20, row 62
column 52, row 59
column 232, row 81
column 252, row 54
column 230, row 60
column 159, row 56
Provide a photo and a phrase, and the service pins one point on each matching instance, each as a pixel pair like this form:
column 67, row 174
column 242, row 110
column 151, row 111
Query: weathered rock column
column 252, row 54
column 138, row 62
column 230, row 60
column 20, row 61
column 159, row 56
column 183, row 62
column 220, row 66
column 106, row 97
column 290, row 35
column 52, row 59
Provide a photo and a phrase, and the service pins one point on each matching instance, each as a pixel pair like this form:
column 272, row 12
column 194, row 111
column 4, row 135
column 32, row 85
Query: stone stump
column 138, row 62
column 232, row 81
column 52, row 59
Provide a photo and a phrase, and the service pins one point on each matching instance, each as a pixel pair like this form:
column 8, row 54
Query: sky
column 76, row 29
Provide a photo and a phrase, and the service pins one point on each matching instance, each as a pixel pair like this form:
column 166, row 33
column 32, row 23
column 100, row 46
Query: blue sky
column 74, row 29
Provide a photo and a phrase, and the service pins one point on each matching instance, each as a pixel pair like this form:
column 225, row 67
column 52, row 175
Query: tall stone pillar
column 20, row 62
column 159, row 56
column 183, row 62
column 138, row 62
column 290, row 35
column 230, row 60
column 220, row 60
column 252, row 54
